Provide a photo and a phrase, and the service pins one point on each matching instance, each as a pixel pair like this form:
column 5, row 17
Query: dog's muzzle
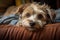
column 32, row 23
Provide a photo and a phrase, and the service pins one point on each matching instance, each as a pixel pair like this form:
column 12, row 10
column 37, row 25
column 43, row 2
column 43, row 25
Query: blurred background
column 4, row 4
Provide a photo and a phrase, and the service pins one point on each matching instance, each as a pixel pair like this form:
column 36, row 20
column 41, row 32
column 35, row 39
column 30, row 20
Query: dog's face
column 34, row 17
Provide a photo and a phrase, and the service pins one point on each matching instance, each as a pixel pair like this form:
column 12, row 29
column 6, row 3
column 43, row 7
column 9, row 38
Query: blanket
column 57, row 19
column 11, row 19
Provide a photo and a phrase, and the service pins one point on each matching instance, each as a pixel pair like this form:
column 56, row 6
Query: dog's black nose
column 32, row 23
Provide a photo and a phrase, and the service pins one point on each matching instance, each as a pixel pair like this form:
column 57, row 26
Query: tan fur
column 11, row 10
column 35, row 8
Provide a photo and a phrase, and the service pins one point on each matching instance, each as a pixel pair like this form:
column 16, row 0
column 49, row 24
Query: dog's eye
column 39, row 16
column 28, row 15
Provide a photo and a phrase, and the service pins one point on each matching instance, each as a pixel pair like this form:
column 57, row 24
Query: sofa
column 12, row 32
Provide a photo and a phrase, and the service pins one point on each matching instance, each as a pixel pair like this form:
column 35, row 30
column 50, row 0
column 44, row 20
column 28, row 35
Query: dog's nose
column 32, row 23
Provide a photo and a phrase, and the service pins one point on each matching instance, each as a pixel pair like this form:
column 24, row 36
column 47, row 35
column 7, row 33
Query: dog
column 35, row 16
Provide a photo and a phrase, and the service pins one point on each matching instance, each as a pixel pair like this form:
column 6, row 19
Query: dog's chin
column 35, row 27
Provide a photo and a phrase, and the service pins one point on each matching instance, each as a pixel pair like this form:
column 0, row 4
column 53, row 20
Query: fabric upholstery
column 49, row 32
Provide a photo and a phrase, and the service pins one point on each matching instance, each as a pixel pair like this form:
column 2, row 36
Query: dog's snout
column 32, row 23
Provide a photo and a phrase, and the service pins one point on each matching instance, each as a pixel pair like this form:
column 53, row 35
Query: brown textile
column 49, row 32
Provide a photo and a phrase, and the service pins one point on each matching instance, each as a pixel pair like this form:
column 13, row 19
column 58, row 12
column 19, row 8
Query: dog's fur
column 37, row 14
column 34, row 16
column 11, row 10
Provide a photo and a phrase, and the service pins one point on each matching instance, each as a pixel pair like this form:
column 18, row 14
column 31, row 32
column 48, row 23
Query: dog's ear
column 22, row 7
column 51, row 14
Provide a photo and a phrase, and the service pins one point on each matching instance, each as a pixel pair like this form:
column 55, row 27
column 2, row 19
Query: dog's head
column 35, row 16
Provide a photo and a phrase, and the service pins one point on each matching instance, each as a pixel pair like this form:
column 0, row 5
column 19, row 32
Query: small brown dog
column 34, row 16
